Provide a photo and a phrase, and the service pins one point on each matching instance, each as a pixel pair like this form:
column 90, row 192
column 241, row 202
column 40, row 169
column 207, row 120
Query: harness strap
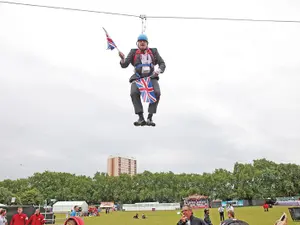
column 138, row 53
column 141, row 65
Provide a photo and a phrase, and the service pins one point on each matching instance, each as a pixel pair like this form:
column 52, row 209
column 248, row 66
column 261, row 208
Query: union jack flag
column 146, row 89
column 110, row 43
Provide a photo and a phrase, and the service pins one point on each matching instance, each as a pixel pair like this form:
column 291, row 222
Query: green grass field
column 252, row 215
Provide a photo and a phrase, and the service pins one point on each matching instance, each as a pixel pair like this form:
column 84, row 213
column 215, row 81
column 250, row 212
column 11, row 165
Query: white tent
column 67, row 206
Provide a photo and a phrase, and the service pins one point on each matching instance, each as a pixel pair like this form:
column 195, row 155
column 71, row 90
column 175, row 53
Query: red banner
column 107, row 205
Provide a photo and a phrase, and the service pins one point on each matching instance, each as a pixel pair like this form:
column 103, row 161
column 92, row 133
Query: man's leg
column 137, row 104
column 153, row 107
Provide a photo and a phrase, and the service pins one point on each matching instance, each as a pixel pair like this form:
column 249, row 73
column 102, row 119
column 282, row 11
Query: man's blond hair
column 71, row 222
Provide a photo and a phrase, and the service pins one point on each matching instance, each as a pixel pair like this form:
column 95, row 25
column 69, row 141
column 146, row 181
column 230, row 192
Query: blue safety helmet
column 143, row 37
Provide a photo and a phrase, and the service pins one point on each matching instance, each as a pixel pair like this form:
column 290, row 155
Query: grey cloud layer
column 241, row 103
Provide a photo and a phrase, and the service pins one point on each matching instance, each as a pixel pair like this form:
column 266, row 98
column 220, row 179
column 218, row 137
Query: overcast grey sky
column 230, row 91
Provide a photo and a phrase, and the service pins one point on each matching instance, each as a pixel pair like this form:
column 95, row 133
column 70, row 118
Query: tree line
column 258, row 180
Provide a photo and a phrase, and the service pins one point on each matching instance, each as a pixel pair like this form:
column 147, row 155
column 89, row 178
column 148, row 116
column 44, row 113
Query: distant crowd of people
column 21, row 218
column 188, row 217
column 92, row 211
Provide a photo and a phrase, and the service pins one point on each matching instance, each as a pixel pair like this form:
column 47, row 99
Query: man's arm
column 126, row 61
column 284, row 222
column 29, row 221
column 42, row 219
column 182, row 220
column 161, row 63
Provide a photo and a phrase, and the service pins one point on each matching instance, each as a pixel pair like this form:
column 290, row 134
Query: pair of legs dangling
column 138, row 107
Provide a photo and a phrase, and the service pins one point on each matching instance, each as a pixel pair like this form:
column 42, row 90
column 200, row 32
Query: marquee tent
column 67, row 206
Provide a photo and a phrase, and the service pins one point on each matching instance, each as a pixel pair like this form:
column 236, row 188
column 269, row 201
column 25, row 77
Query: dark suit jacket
column 194, row 221
column 158, row 60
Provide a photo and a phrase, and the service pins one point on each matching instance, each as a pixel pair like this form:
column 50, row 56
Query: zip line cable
column 143, row 17
column 224, row 18
column 66, row 8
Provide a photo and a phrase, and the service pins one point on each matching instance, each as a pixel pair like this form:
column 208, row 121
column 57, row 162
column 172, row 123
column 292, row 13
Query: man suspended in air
column 145, row 80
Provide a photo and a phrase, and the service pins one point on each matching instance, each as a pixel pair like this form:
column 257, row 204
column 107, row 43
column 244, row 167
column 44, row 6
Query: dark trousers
column 222, row 216
column 136, row 98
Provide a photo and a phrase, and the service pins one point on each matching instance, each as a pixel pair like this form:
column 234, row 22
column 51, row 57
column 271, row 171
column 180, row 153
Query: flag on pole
column 146, row 89
column 110, row 43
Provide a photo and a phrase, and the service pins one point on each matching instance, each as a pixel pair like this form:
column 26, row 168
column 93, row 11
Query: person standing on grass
column 36, row 219
column 206, row 217
column 74, row 211
column 3, row 220
column 230, row 208
column 221, row 212
column 266, row 207
column 20, row 218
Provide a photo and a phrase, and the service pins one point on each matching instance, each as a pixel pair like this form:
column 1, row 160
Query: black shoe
column 150, row 122
column 140, row 122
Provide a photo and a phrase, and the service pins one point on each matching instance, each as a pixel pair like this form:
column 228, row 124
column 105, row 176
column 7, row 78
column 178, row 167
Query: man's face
column 142, row 45
column 186, row 212
column 37, row 211
column 20, row 210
